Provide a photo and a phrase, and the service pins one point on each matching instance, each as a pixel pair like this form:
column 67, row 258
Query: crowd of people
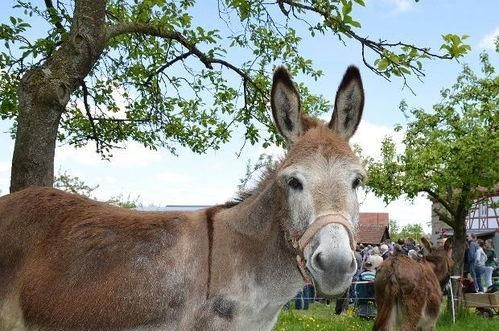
column 479, row 263
column 369, row 258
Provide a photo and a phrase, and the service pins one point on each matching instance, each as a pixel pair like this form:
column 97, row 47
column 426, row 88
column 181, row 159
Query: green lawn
column 321, row 318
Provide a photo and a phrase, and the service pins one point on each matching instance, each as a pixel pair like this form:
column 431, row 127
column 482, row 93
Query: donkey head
column 319, row 177
column 440, row 259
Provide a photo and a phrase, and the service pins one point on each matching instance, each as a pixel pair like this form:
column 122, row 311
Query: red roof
column 371, row 234
column 374, row 218
column 372, row 228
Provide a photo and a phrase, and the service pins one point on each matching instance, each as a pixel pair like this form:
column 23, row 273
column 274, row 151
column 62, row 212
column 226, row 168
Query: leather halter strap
column 311, row 231
column 322, row 221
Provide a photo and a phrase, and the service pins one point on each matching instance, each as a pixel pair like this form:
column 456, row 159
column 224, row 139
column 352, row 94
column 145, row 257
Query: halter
column 320, row 222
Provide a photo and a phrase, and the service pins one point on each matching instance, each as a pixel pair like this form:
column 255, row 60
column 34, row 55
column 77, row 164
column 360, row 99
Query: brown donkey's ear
column 426, row 244
column 348, row 105
column 285, row 103
column 448, row 244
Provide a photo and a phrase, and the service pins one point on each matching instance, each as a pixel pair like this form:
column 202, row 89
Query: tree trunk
column 37, row 123
column 45, row 91
column 458, row 247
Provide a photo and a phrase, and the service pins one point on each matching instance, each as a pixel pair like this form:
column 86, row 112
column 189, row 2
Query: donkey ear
column 448, row 244
column 426, row 244
column 348, row 105
column 285, row 103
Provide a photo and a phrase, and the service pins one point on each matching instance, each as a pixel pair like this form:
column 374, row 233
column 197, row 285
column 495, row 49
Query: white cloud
column 174, row 178
column 369, row 137
column 135, row 155
column 488, row 41
column 400, row 6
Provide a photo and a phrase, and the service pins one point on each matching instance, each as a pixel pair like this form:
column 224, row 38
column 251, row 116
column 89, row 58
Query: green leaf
column 383, row 64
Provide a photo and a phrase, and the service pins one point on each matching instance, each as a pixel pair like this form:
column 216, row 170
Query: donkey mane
column 268, row 173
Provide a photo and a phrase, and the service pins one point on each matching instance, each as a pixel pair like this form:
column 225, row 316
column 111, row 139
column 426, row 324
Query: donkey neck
column 253, row 244
column 257, row 215
column 440, row 268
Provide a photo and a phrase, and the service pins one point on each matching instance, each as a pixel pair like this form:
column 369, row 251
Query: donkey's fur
column 409, row 292
column 70, row 263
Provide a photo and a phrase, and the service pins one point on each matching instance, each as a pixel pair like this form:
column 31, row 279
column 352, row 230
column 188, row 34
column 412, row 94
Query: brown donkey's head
column 440, row 259
column 319, row 177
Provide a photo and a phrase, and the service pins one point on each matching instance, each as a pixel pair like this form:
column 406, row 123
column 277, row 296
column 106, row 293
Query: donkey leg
column 385, row 316
column 410, row 319
column 409, row 325
column 431, row 315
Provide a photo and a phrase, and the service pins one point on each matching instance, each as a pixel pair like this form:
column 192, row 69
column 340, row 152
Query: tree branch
column 378, row 47
column 90, row 117
column 445, row 218
column 151, row 30
column 464, row 197
column 381, row 45
column 168, row 64
column 444, row 203
column 53, row 15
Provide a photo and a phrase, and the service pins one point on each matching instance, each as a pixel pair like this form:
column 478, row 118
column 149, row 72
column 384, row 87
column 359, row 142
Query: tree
column 73, row 184
column 112, row 71
column 414, row 231
column 255, row 170
column 451, row 153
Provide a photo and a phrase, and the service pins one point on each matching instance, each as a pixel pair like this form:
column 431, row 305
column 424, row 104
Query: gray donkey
column 70, row 263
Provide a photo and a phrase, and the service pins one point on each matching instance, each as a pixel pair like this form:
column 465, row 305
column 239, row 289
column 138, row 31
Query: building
column 483, row 219
column 372, row 228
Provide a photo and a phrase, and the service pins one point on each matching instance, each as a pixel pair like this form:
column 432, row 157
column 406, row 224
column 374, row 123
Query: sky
column 159, row 178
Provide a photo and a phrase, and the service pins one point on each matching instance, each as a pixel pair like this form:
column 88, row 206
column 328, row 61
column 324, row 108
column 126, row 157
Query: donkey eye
column 356, row 182
column 295, row 183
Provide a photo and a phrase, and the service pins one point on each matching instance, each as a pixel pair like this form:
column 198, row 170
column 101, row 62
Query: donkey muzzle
column 330, row 261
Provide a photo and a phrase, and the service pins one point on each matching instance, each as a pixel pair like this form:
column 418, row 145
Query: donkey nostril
column 318, row 261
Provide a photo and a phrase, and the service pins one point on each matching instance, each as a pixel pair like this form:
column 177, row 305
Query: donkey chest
column 250, row 305
column 228, row 314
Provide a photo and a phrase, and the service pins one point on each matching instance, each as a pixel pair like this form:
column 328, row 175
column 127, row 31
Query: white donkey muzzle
column 322, row 221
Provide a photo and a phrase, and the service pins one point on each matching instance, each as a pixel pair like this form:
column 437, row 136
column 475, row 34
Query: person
column 366, row 252
column 413, row 254
column 398, row 247
column 385, row 251
column 490, row 264
column 372, row 264
column 364, row 290
column 306, row 295
column 470, row 254
column 480, row 260
column 491, row 255
column 409, row 244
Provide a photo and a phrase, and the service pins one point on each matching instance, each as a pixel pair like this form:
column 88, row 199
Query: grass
column 321, row 317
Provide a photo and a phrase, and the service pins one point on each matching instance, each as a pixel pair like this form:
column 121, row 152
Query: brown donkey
column 409, row 292
column 70, row 263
